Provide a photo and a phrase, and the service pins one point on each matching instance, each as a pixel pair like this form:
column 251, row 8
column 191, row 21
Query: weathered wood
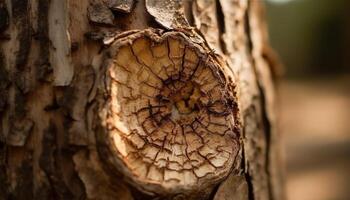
column 66, row 128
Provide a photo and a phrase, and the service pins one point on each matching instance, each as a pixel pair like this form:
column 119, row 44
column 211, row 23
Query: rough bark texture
column 124, row 99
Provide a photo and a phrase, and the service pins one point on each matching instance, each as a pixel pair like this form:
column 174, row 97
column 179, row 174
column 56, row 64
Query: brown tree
column 147, row 99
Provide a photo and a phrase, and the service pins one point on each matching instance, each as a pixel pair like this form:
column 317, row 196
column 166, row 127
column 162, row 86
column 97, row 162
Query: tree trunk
column 147, row 99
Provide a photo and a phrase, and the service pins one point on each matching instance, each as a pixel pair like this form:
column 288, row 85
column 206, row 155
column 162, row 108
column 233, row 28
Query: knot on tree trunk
column 169, row 120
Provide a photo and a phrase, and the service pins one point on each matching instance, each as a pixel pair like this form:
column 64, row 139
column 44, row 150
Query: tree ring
column 168, row 114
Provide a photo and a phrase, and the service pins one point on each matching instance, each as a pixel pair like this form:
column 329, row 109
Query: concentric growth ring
column 169, row 113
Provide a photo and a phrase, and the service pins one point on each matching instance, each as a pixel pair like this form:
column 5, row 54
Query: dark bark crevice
column 43, row 68
column 49, row 163
column 247, row 175
column 21, row 19
column 4, row 17
column 25, row 187
column 3, row 170
column 221, row 26
column 267, row 130
column 265, row 123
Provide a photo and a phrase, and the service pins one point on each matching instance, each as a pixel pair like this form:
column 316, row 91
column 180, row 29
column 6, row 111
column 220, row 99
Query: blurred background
column 312, row 38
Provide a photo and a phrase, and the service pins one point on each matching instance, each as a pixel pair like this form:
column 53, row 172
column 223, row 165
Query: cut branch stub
column 168, row 114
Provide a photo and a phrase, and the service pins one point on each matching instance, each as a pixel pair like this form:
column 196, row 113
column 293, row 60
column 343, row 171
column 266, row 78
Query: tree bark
column 147, row 99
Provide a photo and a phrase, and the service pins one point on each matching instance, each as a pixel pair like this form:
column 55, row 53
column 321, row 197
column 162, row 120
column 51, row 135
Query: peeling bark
column 124, row 99
column 168, row 13
column 99, row 13
column 120, row 5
